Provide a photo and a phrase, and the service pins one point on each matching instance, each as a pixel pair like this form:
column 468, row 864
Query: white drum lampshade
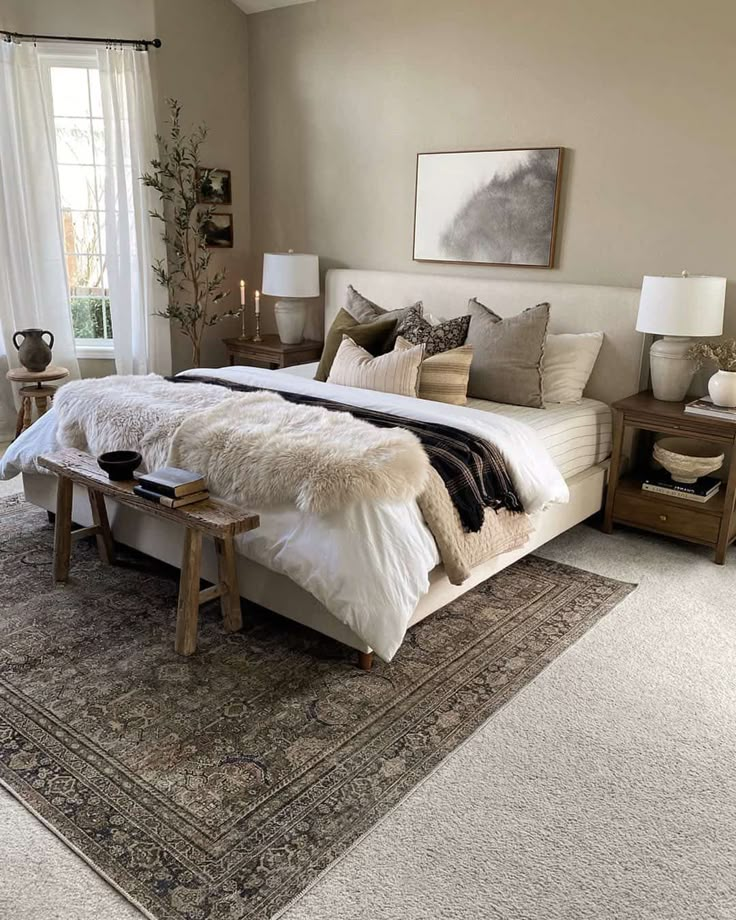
column 290, row 276
column 678, row 307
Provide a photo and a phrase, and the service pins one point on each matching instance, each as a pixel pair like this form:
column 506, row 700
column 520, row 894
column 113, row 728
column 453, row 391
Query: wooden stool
column 37, row 393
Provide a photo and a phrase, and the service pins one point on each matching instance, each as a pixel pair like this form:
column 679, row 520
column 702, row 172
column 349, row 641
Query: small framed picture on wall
column 218, row 231
column 490, row 207
column 214, row 186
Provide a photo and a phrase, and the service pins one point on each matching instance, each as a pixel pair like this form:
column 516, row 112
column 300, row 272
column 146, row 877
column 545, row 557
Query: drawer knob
column 663, row 517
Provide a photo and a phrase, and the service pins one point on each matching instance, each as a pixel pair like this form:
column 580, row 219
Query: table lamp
column 290, row 276
column 678, row 307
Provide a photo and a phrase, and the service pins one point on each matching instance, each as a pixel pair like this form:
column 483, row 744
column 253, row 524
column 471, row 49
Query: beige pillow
column 395, row 372
column 443, row 377
column 569, row 359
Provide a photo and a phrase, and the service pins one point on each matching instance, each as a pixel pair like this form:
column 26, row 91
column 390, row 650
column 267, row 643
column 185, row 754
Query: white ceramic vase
column 722, row 388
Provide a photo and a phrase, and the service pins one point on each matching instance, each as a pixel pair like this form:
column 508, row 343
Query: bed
column 577, row 438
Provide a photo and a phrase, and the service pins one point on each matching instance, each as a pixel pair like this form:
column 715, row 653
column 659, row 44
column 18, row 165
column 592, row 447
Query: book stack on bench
column 172, row 487
column 663, row 484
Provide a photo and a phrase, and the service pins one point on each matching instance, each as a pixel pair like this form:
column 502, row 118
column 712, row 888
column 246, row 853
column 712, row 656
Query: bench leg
column 187, row 618
column 230, row 598
column 99, row 517
column 63, row 531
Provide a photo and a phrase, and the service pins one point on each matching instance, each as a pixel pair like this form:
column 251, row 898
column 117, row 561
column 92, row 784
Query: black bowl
column 119, row 464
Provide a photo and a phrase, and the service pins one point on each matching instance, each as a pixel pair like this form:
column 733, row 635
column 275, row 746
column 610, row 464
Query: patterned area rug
column 218, row 787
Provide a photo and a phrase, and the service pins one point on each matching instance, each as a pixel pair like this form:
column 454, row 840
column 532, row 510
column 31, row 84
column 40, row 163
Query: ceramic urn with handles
column 34, row 352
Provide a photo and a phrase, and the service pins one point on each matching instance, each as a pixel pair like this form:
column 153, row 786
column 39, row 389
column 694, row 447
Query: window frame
column 76, row 57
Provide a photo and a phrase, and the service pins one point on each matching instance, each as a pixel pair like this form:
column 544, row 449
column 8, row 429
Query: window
column 80, row 156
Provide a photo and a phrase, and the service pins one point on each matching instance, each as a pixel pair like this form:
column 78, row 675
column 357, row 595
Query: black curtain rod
column 25, row 37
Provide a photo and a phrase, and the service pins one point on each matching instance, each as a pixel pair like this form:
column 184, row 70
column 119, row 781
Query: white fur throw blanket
column 255, row 449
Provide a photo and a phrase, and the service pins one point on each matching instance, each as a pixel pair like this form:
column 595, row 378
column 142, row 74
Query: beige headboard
column 575, row 308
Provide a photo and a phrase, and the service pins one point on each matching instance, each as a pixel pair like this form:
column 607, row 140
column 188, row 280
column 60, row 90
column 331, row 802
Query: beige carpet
column 606, row 789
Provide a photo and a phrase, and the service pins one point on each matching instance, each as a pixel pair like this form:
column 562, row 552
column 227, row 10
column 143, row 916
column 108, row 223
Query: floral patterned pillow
column 445, row 335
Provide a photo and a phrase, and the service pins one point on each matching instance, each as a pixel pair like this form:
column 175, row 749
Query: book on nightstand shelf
column 167, row 501
column 172, row 482
column 707, row 407
column 663, row 484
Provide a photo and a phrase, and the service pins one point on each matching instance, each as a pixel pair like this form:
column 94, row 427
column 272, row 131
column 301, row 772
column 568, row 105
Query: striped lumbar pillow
column 443, row 377
column 395, row 372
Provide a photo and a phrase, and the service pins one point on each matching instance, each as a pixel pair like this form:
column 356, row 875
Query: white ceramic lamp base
column 671, row 369
column 291, row 317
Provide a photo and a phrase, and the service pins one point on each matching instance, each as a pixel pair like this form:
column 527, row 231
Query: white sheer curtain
column 142, row 340
column 33, row 287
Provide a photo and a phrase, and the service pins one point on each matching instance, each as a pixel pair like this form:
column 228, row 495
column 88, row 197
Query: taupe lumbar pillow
column 443, row 377
column 507, row 355
column 450, row 333
column 375, row 336
column 395, row 372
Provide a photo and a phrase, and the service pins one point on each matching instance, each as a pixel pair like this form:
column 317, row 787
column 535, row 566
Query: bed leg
column 365, row 660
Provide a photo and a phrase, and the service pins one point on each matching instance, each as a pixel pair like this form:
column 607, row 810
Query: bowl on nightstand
column 686, row 460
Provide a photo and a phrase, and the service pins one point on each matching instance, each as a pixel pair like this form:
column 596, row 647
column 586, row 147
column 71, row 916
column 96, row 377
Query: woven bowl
column 687, row 460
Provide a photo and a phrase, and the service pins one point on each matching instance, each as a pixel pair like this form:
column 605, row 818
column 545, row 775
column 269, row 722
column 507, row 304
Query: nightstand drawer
column 665, row 517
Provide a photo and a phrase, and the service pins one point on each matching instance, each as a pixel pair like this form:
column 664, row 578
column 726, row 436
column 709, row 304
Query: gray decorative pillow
column 442, row 337
column 365, row 311
column 507, row 355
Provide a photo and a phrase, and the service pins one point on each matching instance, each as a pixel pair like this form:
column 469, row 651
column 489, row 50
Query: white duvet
column 368, row 566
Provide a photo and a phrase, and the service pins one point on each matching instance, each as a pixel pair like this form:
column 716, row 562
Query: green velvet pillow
column 371, row 336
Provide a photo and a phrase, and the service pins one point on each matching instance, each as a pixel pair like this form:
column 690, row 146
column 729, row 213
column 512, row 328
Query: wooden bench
column 212, row 518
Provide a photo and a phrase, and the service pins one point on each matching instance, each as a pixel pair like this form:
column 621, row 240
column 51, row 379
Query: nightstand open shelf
column 710, row 523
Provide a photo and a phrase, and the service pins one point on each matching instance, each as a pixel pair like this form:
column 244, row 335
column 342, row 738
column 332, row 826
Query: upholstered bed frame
column 575, row 308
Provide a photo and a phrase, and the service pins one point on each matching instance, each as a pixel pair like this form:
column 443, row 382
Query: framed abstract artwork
column 218, row 231
column 214, row 186
column 489, row 207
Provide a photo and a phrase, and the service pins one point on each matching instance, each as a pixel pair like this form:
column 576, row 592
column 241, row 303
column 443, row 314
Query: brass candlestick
column 243, row 302
column 257, row 336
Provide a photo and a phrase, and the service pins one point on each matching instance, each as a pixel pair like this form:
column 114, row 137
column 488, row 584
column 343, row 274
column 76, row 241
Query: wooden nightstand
column 272, row 351
column 709, row 524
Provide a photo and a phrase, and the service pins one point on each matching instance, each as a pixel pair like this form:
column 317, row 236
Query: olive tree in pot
column 194, row 286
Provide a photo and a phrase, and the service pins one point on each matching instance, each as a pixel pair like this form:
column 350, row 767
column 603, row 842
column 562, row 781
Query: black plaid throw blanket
column 472, row 470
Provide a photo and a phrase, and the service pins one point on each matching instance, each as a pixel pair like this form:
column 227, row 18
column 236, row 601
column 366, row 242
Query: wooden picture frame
column 219, row 231
column 490, row 207
column 214, row 186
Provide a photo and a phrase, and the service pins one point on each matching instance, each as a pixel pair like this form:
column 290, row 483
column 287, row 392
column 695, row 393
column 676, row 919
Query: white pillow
column 568, row 362
column 395, row 372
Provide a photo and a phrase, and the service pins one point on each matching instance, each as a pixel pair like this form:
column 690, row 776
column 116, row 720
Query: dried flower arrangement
column 722, row 354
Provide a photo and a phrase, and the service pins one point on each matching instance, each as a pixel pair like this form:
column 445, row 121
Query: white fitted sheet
column 576, row 436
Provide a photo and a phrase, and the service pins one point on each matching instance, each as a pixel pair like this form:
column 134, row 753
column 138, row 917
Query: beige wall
column 203, row 63
column 344, row 93
column 104, row 18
